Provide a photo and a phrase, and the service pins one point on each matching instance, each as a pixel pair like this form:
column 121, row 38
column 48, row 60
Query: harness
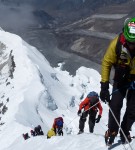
column 121, row 50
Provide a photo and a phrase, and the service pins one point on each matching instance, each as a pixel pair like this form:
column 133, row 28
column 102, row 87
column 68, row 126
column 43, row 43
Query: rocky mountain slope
column 90, row 36
column 76, row 32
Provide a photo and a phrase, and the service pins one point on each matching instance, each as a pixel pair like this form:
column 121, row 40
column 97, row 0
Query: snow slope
column 33, row 93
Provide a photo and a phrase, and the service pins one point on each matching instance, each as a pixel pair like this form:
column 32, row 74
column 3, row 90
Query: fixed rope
column 81, row 113
column 120, row 128
column 117, row 120
column 126, row 86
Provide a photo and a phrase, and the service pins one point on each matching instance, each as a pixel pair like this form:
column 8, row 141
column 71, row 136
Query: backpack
column 118, row 48
column 93, row 101
column 59, row 123
column 122, row 67
column 94, row 98
column 120, row 42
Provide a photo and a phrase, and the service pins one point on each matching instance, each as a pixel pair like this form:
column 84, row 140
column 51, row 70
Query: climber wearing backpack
column 33, row 133
column 58, row 126
column 26, row 136
column 91, row 105
column 120, row 55
column 38, row 130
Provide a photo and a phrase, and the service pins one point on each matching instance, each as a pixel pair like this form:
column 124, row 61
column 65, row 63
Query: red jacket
column 86, row 105
column 55, row 120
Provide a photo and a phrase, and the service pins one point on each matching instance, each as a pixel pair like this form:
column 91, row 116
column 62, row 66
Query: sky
column 38, row 93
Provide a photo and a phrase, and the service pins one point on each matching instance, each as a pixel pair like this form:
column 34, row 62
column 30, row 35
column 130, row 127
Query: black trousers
column 83, row 118
column 118, row 94
column 60, row 131
column 129, row 116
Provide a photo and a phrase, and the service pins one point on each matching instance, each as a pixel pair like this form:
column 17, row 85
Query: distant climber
column 26, row 136
column 33, row 133
column 51, row 133
column 58, row 126
column 38, row 130
column 91, row 105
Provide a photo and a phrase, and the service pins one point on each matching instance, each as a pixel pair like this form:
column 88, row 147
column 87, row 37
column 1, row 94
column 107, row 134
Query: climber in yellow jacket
column 51, row 133
column 120, row 55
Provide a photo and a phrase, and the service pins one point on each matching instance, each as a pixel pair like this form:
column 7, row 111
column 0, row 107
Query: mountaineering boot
column 123, row 140
column 109, row 137
column 129, row 138
column 91, row 130
column 80, row 132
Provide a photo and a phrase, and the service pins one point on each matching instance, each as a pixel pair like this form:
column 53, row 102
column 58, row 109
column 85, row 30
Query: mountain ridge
column 77, row 38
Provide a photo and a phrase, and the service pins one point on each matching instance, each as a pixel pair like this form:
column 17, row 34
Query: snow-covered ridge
column 32, row 93
column 1, row 29
column 31, row 90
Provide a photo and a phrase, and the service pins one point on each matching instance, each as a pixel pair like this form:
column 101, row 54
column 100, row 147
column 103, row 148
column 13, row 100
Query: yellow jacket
column 110, row 59
column 51, row 133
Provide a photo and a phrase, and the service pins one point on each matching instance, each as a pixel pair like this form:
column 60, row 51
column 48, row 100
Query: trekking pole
column 120, row 128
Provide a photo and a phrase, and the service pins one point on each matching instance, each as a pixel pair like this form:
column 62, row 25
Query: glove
column 79, row 113
column 98, row 119
column 104, row 93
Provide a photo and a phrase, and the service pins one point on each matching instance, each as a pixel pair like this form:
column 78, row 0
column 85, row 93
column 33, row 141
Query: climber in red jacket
column 91, row 106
